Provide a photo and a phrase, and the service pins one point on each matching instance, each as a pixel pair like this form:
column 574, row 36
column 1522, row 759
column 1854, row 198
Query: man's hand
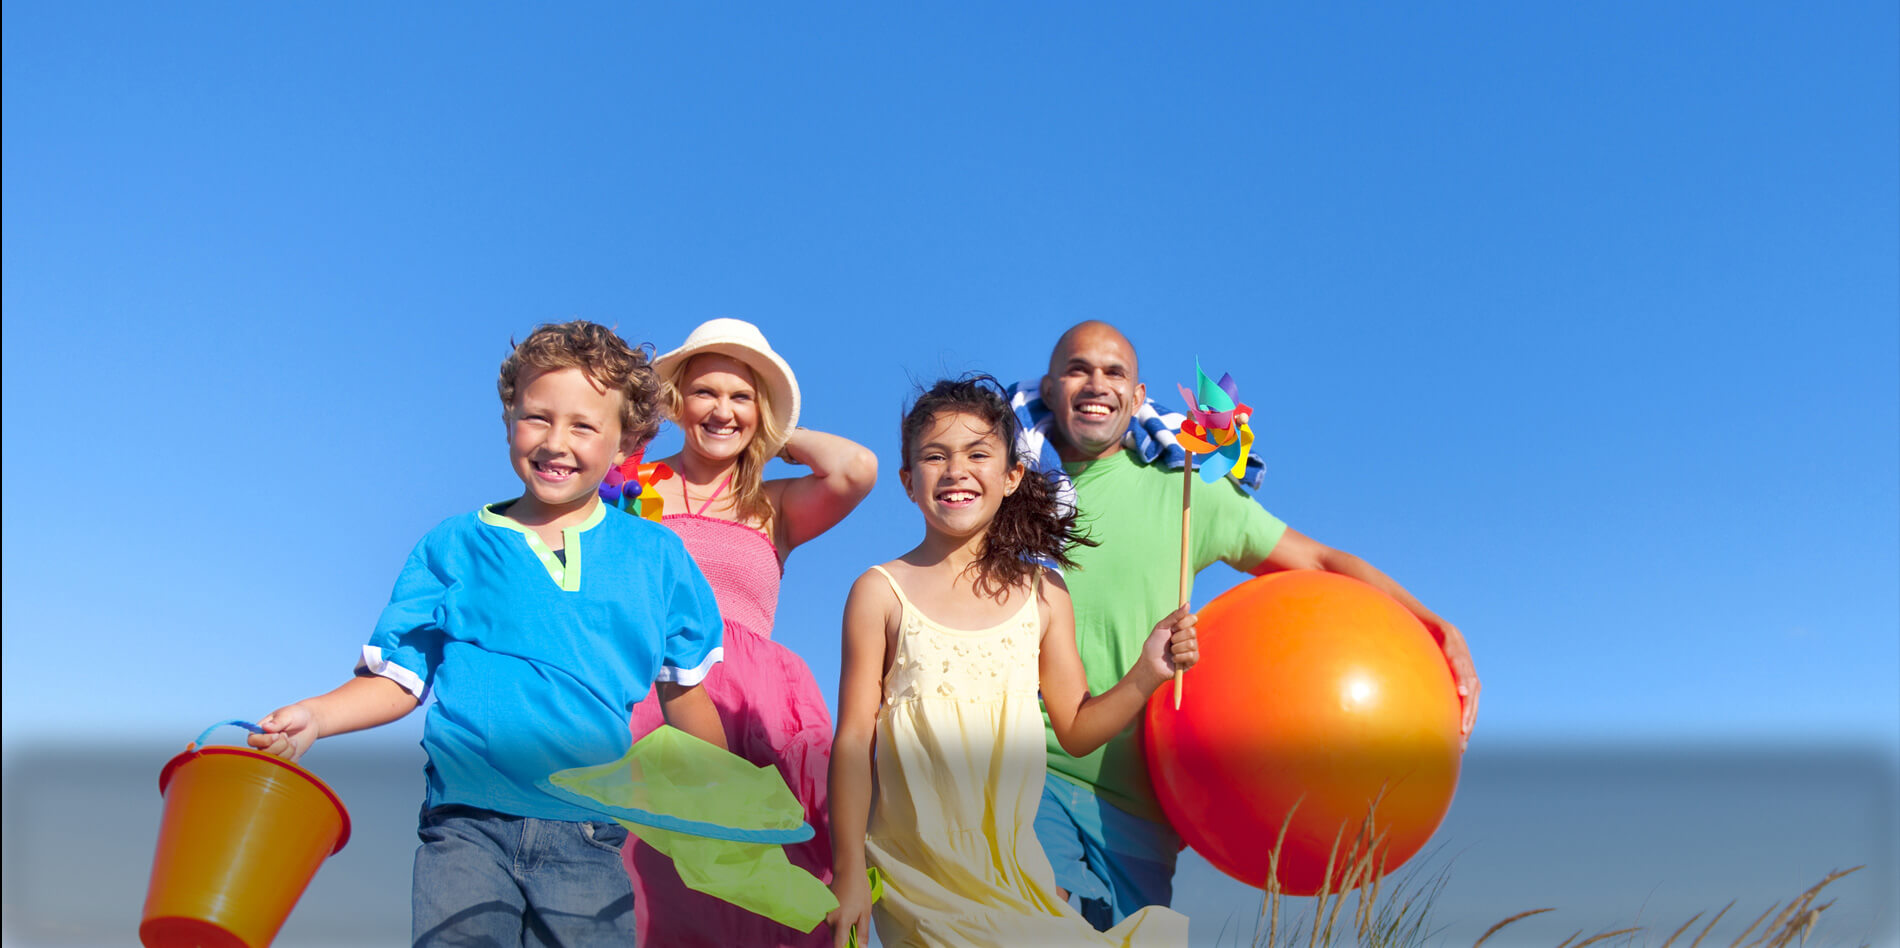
column 1463, row 672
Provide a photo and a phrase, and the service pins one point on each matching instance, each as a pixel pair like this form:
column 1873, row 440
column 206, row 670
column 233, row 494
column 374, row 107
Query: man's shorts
column 1111, row 862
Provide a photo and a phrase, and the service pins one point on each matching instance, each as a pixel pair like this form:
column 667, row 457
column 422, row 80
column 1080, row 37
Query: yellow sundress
column 960, row 766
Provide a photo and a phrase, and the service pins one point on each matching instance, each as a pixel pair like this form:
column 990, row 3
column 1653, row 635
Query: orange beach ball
column 1316, row 695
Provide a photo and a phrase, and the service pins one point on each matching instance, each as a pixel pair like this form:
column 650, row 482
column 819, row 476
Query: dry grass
column 1383, row 915
column 1399, row 915
column 1792, row 925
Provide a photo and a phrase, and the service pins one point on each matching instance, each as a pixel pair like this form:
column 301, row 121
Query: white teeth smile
column 957, row 496
column 1094, row 411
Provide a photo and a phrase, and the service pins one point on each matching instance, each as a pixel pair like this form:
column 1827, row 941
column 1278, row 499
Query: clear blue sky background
column 1580, row 322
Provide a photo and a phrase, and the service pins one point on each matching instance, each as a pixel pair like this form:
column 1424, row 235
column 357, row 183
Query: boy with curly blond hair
column 535, row 654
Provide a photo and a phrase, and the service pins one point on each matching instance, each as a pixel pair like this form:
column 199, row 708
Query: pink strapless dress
column 773, row 713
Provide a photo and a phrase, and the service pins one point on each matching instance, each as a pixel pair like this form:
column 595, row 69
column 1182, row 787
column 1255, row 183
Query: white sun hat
column 738, row 339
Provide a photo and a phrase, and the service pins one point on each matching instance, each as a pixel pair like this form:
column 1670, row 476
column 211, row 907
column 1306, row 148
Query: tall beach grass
column 1397, row 912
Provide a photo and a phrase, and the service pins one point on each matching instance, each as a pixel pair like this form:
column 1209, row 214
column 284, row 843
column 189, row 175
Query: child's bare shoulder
column 1052, row 600
column 1050, row 584
column 873, row 605
column 874, row 584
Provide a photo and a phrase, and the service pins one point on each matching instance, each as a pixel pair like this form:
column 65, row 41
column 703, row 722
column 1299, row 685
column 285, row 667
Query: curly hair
column 604, row 357
column 1030, row 527
column 748, row 484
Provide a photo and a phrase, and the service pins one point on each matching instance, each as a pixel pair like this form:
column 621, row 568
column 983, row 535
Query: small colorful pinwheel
column 1212, row 426
column 630, row 486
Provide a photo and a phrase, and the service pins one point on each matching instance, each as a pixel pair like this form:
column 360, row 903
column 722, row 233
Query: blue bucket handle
column 247, row 725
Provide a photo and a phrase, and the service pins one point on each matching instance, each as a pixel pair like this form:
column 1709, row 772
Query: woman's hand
column 851, row 920
column 1172, row 645
column 785, row 453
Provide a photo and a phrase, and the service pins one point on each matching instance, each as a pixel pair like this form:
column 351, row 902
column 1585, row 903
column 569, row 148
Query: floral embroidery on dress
column 972, row 666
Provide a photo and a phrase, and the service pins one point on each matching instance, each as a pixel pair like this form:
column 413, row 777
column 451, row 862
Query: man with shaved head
column 1099, row 822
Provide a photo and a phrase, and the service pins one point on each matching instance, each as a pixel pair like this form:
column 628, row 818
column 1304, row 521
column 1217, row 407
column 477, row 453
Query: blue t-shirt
column 535, row 663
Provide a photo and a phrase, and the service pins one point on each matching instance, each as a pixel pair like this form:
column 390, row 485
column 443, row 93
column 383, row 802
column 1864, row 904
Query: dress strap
column 712, row 496
column 899, row 590
column 1030, row 603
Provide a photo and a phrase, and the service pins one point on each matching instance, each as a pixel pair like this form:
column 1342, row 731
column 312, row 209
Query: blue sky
column 1580, row 322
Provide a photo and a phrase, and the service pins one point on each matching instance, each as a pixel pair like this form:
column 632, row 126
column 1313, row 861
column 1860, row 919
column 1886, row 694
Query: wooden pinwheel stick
column 1187, row 563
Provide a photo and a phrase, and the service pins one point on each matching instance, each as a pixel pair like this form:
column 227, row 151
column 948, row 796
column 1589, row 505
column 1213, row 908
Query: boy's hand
column 853, row 914
column 1173, row 644
column 288, row 732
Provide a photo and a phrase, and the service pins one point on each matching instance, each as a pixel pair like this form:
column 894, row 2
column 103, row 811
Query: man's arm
column 1299, row 551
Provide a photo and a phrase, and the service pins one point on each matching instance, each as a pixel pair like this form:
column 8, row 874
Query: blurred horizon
column 1531, row 828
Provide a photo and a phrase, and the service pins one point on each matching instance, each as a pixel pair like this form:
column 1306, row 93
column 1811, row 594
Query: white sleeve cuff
column 694, row 675
column 374, row 663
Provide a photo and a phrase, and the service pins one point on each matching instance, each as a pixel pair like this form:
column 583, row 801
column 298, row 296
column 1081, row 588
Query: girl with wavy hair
column 945, row 651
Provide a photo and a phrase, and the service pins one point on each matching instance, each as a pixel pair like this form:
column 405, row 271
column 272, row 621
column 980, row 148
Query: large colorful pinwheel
column 630, row 485
column 1214, row 425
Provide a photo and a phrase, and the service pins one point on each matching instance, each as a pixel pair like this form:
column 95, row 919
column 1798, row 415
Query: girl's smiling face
column 719, row 407
column 958, row 474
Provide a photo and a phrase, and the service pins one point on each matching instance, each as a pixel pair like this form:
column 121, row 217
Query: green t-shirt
column 1125, row 585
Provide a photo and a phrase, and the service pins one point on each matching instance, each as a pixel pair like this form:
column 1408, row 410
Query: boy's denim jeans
column 491, row 880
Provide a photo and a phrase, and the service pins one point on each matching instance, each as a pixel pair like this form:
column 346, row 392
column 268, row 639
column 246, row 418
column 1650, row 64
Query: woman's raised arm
column 842, row 473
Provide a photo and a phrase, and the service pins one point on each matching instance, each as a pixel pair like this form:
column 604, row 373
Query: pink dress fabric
column 774, row 714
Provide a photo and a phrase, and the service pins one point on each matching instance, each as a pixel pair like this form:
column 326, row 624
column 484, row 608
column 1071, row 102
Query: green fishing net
column 722, row 820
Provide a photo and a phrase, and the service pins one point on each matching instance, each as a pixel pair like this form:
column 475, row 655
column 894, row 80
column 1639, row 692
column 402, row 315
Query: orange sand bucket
column 243, row 834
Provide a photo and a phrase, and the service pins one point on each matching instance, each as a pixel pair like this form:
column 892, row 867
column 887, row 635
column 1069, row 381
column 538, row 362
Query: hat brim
column 769, row 371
